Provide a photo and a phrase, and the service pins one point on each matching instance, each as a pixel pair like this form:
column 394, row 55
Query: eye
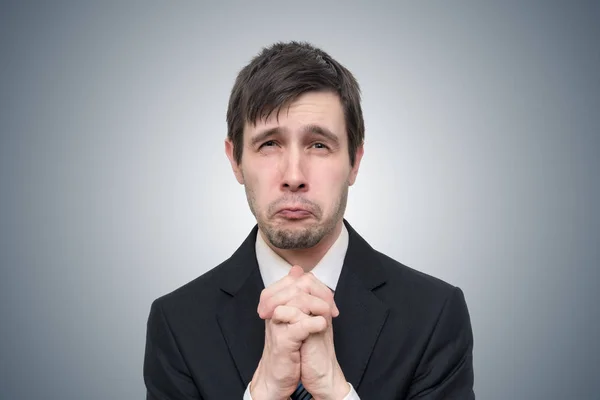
column 320, row 145
column 269, row 143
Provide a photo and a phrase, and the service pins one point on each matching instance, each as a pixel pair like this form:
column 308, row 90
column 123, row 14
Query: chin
column 288, row 239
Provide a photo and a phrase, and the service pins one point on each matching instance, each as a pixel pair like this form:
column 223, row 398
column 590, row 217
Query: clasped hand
column 298, row 312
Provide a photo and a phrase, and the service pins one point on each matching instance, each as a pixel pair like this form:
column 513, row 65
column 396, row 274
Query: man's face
column 296, row 170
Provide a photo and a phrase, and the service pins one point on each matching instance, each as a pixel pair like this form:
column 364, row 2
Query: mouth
column 294, row 213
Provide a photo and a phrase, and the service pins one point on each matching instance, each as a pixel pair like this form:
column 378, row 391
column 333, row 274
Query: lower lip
column 294, row 214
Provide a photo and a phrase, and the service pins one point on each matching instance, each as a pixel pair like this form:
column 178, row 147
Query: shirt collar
column 272, row 267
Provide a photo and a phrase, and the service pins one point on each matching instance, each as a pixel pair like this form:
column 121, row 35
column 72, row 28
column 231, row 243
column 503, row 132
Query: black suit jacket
column 401, row 334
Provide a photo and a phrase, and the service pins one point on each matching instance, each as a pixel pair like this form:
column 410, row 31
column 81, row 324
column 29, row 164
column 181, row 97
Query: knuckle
column 278, row 314
column 263, row 295
column 321, row 322
column 293, row 302
column 267, row 305
column 323, row 305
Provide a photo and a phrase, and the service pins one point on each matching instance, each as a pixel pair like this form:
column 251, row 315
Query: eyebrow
column 264, row 135
column 321, row 131
column 311, row 128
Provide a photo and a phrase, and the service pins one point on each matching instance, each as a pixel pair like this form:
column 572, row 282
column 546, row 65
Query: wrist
column 339, row 389
column 261, row 392
column 341, row 386
column 261, row 388
column 342, row 389
column 258, row 387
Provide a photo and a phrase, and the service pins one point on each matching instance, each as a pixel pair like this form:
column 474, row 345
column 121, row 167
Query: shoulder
column 400, row 282
column 204, row 292
column 413, row 280
column 198, row 299
column 415, row 293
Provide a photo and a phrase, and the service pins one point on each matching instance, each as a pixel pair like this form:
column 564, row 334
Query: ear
column 360, row 150
column 237, row 171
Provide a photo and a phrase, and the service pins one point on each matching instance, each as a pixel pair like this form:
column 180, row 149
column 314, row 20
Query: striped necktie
column 300, row 393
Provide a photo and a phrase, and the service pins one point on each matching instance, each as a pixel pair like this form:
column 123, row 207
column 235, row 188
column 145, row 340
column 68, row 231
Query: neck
column 308, row 258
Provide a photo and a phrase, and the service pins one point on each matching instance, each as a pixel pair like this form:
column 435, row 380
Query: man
column 305, row 307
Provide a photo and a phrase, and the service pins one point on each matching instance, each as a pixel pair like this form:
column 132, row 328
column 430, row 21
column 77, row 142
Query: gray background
column 481, row 168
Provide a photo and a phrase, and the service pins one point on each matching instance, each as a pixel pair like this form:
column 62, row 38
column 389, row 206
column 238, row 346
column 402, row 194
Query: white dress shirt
column 273, row 268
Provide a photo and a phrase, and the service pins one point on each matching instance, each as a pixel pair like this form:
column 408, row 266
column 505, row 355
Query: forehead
column 311, row 108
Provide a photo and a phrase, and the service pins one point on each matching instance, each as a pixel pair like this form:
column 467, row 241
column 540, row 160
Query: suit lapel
column 362, row 314
column 240, row 324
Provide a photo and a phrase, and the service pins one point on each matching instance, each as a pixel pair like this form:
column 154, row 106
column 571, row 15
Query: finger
column 287, row 315
column 296, row 271
column 282, row 297
column 310, row 305
column 300, row 330
column 268, row 292
column 310, row 284
column 294, row 296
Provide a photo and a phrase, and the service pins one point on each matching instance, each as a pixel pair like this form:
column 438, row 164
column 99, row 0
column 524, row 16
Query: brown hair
column 278, row 75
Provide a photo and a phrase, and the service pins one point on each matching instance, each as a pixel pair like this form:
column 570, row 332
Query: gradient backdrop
column 481, row 168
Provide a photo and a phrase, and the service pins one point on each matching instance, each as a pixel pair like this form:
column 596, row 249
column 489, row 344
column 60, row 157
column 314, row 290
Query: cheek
column 328, row 184
column 262, row 183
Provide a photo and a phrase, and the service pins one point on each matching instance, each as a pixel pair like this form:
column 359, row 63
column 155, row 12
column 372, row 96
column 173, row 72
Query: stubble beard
column 301, row 237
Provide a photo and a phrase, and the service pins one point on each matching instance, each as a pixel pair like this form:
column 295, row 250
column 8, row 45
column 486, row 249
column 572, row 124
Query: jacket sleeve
column 165, row 372
column 445, row 370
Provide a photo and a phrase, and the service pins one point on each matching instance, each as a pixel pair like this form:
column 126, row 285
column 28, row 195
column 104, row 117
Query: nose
column 293, row 174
